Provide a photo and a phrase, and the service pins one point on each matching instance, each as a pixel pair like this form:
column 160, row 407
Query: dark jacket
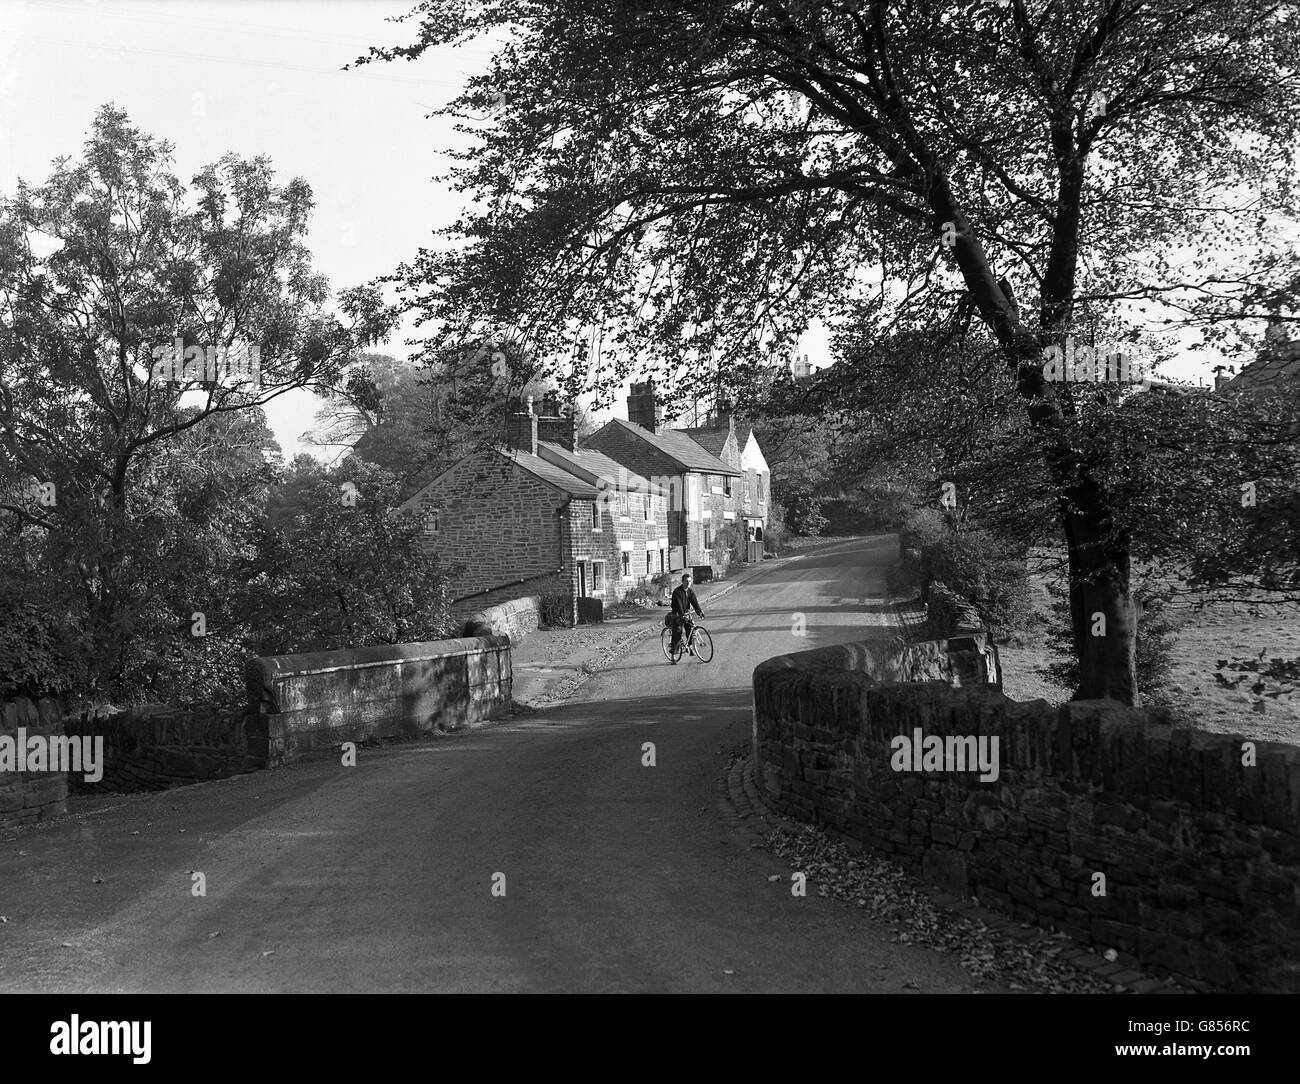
column 683, row 599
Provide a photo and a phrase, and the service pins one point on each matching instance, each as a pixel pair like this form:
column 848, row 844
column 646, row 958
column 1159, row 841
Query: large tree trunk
column 1102, row 614
column 1101, row 604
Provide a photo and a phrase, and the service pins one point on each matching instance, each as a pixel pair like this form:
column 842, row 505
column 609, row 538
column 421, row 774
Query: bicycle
column 696, row 641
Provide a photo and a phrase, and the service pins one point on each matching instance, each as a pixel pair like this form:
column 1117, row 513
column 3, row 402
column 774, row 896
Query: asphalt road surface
column 617, row 876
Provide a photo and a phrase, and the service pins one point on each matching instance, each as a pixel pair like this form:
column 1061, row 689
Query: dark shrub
column 986, row 572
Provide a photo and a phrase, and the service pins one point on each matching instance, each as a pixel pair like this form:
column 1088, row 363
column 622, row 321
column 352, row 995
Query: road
column 618, row 877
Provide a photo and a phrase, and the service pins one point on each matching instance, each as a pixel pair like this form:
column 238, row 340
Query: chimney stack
column 555, row 424
column 643, row 406
column 521, row 429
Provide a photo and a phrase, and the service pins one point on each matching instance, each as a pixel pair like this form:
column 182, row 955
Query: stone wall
column 1197, row 834
column 154, row 748
column 948, row 614
column 514, row 619
column 314, row 702
column 31, row 795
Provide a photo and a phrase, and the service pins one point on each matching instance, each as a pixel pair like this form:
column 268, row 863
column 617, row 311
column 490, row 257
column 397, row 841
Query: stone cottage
column 702, row 471
column 537, row 517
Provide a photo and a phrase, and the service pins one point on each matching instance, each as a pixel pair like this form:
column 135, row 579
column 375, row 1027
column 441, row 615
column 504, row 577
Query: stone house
column 737, row 446
column 629, row 531
column 536, row 517
column 702, row 472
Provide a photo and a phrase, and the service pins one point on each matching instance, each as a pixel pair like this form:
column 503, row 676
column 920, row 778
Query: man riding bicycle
column 683, row 600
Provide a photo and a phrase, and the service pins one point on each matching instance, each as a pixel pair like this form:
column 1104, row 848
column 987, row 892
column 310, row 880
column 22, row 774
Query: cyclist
column 683, row 600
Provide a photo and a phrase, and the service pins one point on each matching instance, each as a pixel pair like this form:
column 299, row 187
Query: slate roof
column 589, row 461
column 552, row 475
column 712, row 439
column 1275, row 368
column 678, row 446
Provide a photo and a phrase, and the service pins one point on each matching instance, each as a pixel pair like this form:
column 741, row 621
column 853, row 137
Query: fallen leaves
column 891, row 896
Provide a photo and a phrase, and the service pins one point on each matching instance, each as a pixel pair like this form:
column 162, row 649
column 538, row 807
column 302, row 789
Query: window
column 597, row 577
column 595, row 515
column 623, row 502
column 648, row 555
column 663, row 563
column 627, row 564
column 432, row 525
column 726, row 484
column 648, row 505
column 708, row 537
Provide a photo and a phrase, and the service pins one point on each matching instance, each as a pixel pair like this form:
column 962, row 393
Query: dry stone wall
column 30, row 795
column 1178, row 846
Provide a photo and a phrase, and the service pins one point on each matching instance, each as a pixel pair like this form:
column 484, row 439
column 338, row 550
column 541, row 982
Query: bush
column 733, row 544
column 986, row 572
column 922, row 527
column 803, row 513
column 556, row 611
column 775, row 530
column 641, row 592
column 31, row 662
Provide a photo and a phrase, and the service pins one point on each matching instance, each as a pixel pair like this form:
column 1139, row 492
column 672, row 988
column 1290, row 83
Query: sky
column 254, row 78
column 263, row 77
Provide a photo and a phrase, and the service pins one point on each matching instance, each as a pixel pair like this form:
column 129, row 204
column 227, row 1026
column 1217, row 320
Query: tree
column 344, row 567
column 700, row 181
column 139, row 335
column 392, row 414
column 416, row 420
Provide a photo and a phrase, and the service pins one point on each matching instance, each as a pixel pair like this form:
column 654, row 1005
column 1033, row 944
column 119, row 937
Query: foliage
column 696, row 183
column 156, row 482
column 556, row 612
column 803, row 513
column 32, row 663
column 775, row 532
column 731, row 546
column 346, row 569
column 985, row 571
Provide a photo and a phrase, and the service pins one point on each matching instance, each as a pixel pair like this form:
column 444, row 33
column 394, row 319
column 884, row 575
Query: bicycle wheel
column 703, row 645
column 665, row 641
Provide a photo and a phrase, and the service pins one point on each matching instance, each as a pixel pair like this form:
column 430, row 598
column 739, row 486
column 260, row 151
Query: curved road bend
column 618, row 877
